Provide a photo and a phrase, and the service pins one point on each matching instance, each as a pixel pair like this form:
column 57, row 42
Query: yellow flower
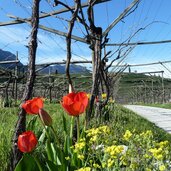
column 104, row 95
column 96, row 166
column 157, row 153
column 162, row 168
column 133, row 166
column 104, row 165
column 159, row 157
column 67, row 158
column 81, row 157
column 147, row 169
column 147, row 156
column 84, row 169
column 163, row 143
column 127, row 135
column 88, row 95
column 110, row 163
column 104, row 129
column 79, row 146
column 93, row 139
column 114, row 150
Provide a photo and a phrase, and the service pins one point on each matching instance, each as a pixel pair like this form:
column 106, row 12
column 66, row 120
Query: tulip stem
column 38, row 163
column 78, row 127
column 44, row 128
column 71, row 128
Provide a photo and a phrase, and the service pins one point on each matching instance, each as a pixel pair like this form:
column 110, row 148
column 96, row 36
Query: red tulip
column 33, row 106
column 27, row 141
column 75, row 103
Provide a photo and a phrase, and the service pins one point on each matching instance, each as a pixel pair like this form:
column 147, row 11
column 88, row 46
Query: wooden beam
column 50, row 29
column 48, row 14
column 121, row 16
column 134, row 65
column 9, row 62
column 139, row 43
column 63, row 62
column 62, row 33
column 152, row 72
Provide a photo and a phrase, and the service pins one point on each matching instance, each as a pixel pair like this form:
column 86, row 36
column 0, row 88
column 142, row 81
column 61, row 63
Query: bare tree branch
column 68, row 41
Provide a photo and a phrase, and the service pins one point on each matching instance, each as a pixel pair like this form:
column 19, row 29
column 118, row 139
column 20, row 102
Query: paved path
column 161, row 117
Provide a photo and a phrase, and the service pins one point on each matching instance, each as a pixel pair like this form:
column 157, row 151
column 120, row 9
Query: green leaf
column 64, row 123
column 52, row 167
column 27, row 163
column 67, row 145
column 49, row 151
column 31, row 123
column 42, row 136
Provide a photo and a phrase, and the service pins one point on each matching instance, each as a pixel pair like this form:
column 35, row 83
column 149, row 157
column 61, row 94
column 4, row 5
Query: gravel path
column 161, row 117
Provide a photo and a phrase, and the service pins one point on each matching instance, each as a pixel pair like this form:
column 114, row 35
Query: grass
column 165, row 106
column 121, row 119
column 8, row 119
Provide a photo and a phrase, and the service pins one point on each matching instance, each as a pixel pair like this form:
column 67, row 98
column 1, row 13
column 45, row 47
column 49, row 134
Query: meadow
column 121, row 122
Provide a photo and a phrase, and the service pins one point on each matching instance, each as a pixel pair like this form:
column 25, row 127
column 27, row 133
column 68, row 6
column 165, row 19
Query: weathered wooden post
column 16, row 79
column 163, row 89
column 21, row 123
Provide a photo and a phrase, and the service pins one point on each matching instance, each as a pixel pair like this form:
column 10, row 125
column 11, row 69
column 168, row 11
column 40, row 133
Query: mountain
column 60, row 69
column 8, row 56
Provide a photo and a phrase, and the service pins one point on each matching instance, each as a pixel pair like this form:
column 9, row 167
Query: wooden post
column 163, row 90
column 50, row 86
column 16, row 79
column 152, row 87
column 16, row 154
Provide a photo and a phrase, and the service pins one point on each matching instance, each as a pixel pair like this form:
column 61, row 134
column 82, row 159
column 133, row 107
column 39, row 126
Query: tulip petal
column 33, row 106
column 75, row 103
column 67, row 100
column 27, row 141
column 78, row 108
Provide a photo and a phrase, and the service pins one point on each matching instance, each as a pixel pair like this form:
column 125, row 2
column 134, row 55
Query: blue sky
column 53, row 48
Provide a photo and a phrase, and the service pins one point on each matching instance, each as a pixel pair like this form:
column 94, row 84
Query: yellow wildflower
column 96, row 166
column 133, row 166
column 110, row 163
column 162, row 168
column 79, row 146
column 88, row 95
column 104, row 165
column 127, row 135
column 67, row 158
column 84, row 169
column 147, row 169
column 81, row 157
column 163, row 143
column 159, row 157
column 104, row 95
column 147, row 156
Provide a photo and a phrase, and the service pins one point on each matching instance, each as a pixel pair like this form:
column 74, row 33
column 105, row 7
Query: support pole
column 16, row 79
column 163, row 90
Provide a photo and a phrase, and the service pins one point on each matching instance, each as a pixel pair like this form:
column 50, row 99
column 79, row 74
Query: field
column 120, row 120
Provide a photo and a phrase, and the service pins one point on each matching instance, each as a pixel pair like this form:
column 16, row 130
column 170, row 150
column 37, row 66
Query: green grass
column 121, row 119
column 165, row 105
column 8, row 118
